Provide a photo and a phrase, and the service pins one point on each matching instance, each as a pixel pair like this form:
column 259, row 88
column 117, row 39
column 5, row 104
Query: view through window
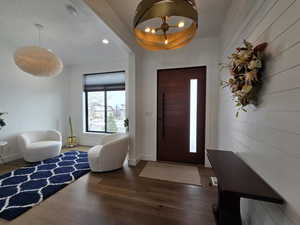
column 105, row 103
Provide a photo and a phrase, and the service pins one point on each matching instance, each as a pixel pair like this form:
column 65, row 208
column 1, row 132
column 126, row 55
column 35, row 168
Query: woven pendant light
column 165, row 24
column 38, row 61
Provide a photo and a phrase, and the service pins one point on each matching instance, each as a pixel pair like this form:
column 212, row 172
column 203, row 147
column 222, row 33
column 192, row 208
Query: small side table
column 3, row 144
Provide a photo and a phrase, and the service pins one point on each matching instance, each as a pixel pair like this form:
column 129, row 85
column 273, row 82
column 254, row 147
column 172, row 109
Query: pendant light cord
column 39, row 37
column 39, row 28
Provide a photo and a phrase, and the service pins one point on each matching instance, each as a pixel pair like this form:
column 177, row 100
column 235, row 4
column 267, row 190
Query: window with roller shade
column 105, row 102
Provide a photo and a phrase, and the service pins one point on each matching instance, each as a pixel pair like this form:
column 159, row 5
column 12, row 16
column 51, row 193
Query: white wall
column 267, row 137
column 32, row 103
column 201, row 52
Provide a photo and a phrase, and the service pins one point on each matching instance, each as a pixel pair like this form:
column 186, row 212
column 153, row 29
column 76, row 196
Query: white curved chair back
column 52, row 143
column 112, row 137
column 110, row 155
column 35, row 136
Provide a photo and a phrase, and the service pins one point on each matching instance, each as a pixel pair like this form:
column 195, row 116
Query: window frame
column 105, row 104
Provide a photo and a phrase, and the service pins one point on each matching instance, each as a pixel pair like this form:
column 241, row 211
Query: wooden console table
column 236, row 180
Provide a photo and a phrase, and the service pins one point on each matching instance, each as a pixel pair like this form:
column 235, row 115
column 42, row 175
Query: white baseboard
column 12, row 157
column 207, row 164
column 148, row 157
column 133, row 162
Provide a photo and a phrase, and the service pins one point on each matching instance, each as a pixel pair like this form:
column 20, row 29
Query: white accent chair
column 110, row 155
column 40, row 145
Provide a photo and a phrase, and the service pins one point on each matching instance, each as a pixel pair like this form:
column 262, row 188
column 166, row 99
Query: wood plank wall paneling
column 268, row 136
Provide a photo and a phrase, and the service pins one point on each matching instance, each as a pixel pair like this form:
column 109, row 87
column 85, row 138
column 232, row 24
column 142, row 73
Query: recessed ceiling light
column 105, row 41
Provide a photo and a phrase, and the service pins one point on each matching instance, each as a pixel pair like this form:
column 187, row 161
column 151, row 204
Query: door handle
column 163, row 115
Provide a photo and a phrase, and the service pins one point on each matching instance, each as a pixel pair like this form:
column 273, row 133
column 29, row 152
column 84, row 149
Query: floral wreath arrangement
column 2, row 122
column 245, row 66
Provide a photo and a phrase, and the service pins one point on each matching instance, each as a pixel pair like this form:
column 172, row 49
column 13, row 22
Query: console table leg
column 227, row 211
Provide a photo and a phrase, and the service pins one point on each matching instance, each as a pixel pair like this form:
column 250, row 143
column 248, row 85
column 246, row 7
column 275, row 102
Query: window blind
column 104, row 81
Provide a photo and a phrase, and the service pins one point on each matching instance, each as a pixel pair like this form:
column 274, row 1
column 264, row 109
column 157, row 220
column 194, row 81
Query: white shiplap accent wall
column 268, row 136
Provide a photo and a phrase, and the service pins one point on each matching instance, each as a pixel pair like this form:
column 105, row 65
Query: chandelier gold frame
column 150, row 9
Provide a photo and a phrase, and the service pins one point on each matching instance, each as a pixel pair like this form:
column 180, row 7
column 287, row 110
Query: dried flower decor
column 245, row 80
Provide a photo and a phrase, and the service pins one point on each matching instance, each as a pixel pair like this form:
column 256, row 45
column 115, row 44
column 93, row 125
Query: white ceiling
column 76, row 39
column 211, row 14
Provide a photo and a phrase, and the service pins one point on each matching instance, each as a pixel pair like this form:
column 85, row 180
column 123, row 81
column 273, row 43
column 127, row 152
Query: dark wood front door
column 181, row 115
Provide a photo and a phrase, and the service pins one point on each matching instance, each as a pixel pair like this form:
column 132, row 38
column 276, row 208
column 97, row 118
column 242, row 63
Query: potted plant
column 2, row 122
column 126, row 124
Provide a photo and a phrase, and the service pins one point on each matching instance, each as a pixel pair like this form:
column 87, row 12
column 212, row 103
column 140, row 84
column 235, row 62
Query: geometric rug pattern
column 26, row 187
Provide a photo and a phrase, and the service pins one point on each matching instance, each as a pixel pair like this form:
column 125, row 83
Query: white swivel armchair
column 110, row 155
column 40, row 145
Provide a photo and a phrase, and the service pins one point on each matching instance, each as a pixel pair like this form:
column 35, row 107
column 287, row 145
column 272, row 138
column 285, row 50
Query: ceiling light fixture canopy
column 72, row 10
column 165, row 24
column 38, row 61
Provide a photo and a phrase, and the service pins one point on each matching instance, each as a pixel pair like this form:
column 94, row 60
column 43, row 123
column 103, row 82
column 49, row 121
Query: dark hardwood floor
column 123, row 198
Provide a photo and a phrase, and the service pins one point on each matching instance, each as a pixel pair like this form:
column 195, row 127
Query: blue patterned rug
column 26, row 187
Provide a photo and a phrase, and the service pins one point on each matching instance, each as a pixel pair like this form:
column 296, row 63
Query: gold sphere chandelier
column 165, row 24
